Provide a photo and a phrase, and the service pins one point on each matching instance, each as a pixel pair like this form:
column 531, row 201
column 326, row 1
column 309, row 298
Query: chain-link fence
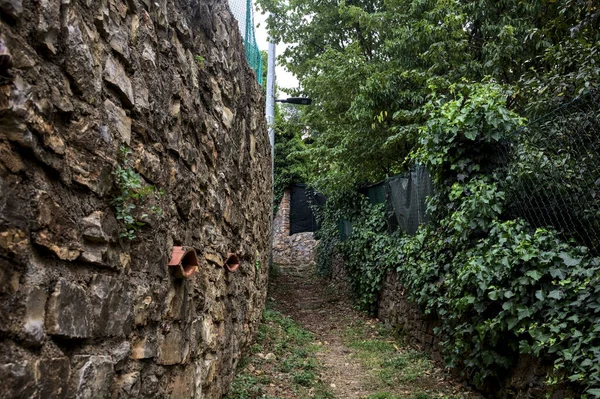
column 553, row 171
column 243, row 12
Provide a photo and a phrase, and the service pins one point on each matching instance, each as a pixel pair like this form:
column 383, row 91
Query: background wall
column 296, row 249
column 84, row 311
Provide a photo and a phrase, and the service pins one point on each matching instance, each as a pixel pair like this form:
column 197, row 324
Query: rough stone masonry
column 160, row 91
column 296, row 249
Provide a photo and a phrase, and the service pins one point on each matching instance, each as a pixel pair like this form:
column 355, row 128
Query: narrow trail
column 325, row 311
column 350, row 343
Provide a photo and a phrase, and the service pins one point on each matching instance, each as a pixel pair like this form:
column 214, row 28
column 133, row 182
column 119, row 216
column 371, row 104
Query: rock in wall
column 296, row 249
column 524, row 380
column 116, row 112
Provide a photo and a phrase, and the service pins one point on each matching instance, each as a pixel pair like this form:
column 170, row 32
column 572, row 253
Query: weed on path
column 281, row 364
column 314, row 344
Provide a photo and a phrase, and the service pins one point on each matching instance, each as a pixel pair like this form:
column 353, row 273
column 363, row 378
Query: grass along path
column 313, row 344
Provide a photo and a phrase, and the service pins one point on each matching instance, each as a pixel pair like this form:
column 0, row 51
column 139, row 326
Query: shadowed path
column 326, row 310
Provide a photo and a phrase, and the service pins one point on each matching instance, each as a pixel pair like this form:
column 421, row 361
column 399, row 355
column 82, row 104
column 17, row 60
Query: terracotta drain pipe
column 185, row 260
column 6, row 60
column 232, row 263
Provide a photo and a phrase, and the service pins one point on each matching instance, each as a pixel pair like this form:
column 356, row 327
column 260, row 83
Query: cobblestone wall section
column 524, row 380
column 281, row 223
column 297, row 249
column 85, row 312
column 396, row 311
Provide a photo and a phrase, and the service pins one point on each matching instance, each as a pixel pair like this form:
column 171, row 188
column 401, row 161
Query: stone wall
column 396, row 311
column 296, row 249
column 524, row 380
column 86, row 312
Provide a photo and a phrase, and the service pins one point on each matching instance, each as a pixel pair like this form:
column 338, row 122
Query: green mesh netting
column 244, row 14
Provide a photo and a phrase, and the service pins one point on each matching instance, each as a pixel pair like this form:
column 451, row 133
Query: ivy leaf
column 557, row 273
column 586, row 363
column 534, row 274
column 568, row 259
column 471, row 134
column 539, row 294
column 555, row 294
column 524, row 347
column 594, row 392
column 523, row 312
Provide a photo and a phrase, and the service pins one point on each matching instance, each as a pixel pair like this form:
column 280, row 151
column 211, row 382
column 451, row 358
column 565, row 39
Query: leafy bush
column 368, row 255
column 133, row 201
column 499, row 287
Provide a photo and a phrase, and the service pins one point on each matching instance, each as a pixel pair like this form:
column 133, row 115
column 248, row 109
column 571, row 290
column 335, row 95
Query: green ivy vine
column 135, row 200
column 499, row 288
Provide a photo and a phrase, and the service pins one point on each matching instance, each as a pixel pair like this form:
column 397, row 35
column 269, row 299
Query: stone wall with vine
column 297, row 249
column 128, row 127
column 511, row 308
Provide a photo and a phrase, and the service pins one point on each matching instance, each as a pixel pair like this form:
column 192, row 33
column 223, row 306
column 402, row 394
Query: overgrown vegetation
column 446, row 84
column 136, row 201
column 371, row 67
column 281, row 363
column 290, row 159
column 499, row 287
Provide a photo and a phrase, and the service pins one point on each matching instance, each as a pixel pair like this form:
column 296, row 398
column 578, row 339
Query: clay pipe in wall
column 232, row 263
column 185, row 261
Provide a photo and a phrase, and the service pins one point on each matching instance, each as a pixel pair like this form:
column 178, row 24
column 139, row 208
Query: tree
column 370, row 67
column 290, row 161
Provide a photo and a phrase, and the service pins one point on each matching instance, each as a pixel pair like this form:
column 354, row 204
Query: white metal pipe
column 271, row 95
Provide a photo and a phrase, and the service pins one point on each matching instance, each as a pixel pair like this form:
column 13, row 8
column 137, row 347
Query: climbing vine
column 369, row 254
column 499, row 288
column 133, row 200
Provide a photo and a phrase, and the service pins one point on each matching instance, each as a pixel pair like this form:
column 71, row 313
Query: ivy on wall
column 499, row 287
column 135, row 201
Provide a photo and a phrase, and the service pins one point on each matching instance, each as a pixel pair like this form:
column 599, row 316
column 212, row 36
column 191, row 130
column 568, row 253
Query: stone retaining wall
column 396, row 311
column 85, row 312
column 524, row 380
column 289, row 249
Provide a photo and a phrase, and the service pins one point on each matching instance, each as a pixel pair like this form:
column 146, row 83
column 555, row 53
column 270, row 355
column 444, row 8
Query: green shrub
column 499, row 287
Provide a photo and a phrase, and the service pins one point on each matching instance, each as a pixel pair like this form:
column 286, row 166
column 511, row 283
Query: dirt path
column 325, row 311
column 358, row 359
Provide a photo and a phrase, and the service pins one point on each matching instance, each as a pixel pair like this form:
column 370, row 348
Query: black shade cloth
column 302, row 218
column 375, row 193
column 407, row 195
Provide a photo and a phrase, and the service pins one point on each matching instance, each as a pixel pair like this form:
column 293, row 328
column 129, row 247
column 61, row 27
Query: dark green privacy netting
column 406, row 202
column 302, row 201
column 243, row 12
column 404, row 197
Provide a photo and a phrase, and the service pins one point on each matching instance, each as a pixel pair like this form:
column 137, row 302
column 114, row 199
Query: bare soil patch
column 355, row 347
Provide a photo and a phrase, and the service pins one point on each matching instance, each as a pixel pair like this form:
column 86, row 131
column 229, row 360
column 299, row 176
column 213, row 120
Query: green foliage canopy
column 499, row 288
column 371, row 66
column 291, row 165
